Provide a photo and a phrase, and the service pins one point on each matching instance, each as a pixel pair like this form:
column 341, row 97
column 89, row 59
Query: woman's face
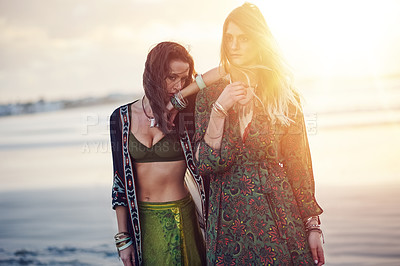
column 178, row 74
column 241, row 49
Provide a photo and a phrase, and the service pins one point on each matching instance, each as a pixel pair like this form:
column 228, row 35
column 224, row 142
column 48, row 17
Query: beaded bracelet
column 200, row 82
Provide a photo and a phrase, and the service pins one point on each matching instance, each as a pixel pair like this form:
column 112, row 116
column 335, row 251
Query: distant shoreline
column 41, row 105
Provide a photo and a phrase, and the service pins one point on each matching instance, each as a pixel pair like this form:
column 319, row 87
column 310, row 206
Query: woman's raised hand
column 233, row 93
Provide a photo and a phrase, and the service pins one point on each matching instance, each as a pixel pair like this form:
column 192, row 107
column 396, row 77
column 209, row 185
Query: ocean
column 55, row 194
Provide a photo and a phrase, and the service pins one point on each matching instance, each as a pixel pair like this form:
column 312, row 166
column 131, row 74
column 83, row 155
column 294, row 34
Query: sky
column 65, row 49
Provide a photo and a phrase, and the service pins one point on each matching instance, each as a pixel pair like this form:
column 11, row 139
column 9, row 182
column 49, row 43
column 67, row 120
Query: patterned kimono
column 261, row 187
column 124, row 192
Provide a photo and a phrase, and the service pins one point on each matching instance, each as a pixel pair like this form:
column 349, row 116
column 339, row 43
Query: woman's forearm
column 215, row 130
column 209, row 77
column 122, row 218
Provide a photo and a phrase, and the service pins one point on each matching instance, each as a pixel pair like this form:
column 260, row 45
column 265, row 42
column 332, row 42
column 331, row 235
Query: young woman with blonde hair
column 251, row 149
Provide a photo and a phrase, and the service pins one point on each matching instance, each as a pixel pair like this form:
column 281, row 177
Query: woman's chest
column 259, row 141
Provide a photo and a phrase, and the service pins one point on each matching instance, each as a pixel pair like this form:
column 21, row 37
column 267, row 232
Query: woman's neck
column 146, row 107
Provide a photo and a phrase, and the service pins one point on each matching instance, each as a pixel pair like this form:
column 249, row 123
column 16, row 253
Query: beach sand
column 55, row 199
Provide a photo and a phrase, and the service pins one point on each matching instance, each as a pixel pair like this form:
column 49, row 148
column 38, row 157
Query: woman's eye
column 172, row 78
column 244, row 39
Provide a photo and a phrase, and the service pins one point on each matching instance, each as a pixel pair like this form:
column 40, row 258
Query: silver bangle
column 218, row 107
column 218, row 112
column 178, row 102
column 200, row 82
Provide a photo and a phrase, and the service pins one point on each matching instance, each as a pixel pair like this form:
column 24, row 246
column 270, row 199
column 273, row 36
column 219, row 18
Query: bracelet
column 312, row 226
column 218, row 112
column 219, row 109
column 182, row 100
column 125, row 246
column 122, row 240
column 120, row 235
column 178, row 102
column 309, row 219
column 122, row 244
column 308, row 223
column 200, row 82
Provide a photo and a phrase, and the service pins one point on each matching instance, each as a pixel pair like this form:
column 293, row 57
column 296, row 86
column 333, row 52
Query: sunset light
column 75, row 122
column 337, row 38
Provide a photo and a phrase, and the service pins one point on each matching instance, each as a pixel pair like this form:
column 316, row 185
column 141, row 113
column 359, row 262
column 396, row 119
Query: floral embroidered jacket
column 261, row 187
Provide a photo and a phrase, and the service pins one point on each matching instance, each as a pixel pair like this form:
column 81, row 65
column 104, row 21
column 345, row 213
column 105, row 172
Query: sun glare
column 336, row 38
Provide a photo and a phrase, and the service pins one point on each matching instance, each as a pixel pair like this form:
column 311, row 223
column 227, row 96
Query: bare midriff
column 160, row 181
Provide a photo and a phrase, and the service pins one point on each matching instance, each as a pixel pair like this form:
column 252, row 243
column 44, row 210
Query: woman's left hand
column 314, row 239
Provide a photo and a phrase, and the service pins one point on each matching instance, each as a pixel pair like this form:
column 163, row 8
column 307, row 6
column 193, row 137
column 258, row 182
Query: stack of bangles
column 217, row 107
column 311, row 226
column 122, row 240
column 178, row 102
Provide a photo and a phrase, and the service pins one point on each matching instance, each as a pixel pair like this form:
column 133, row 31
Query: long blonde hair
column 275, row 86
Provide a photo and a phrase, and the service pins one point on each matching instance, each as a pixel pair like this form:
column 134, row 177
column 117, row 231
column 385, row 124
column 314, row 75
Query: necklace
column 151, row 119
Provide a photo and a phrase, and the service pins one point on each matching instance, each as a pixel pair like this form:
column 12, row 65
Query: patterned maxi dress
column 261, row 187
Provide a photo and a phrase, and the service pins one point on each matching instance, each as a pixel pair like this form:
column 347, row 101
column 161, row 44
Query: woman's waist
column 161, row 191
column 180, row 203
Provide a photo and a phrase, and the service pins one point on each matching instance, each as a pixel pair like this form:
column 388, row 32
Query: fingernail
column 315, row 262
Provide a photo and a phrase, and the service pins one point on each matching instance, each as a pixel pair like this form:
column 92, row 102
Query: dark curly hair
column 157, row 69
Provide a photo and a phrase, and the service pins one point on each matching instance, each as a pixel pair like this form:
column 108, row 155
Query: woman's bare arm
column 209, row 77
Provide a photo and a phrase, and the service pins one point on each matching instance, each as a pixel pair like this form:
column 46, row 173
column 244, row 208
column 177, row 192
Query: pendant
column 152, row 122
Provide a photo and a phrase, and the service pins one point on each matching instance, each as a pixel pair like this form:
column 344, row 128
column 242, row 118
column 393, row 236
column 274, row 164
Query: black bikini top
column 166, row 150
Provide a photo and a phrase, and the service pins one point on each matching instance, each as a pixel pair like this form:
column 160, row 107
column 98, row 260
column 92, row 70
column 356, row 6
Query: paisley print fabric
column 171, row 235
column 261, row 187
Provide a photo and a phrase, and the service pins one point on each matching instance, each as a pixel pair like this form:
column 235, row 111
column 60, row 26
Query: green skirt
column 170, row 233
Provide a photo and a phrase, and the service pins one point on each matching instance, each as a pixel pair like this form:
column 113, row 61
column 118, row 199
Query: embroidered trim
column 130, row 184
column 187, row 149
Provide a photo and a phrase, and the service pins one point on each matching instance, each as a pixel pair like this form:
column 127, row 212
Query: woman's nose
column 234, row 44
column 178, row 85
